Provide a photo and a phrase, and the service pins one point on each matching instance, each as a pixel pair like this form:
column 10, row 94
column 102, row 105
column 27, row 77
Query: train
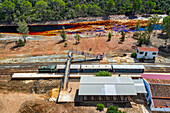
column 77, row 68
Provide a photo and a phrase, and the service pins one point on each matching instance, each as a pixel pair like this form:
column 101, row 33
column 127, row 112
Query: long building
column 112, row 90
column 158, row 91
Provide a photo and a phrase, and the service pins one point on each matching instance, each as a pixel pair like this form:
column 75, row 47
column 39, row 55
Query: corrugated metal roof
column 139, row 85
column 96, row 67
column 106, row 80
column 128, row 66
column 107, row 86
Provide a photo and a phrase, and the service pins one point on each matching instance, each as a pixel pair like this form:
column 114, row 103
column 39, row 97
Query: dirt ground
column 55, row 46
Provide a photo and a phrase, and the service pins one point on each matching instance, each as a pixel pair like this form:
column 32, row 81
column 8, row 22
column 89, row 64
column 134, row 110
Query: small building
column 158, row 91
column 146, row 53
column 108, row 90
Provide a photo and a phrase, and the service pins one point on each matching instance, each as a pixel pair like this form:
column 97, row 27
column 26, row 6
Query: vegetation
column 77, row 38
column 166, row 26
column 113, row 109
column 123, row 36
column 133, row 55
column 52, row 10
column 0, row 34
column 137, row 26
column 103, row 73
column 100, row 107
column 20, row 43
column 65, row 44
column 109, row 36
column 23, row 29
column 63, row 34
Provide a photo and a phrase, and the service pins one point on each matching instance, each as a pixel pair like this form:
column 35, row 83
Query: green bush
column 103, row 73
column 65, row 44
column 20, row 43
column 0, row 34
column 133, row 55
column 100, row 107
column 109, row 36
column 113, row 109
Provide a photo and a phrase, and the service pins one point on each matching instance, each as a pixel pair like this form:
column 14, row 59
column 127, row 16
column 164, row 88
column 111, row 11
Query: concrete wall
column 148, row 56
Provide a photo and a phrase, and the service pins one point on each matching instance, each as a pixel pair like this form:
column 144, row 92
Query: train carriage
column 128, row 68
column 95, row 68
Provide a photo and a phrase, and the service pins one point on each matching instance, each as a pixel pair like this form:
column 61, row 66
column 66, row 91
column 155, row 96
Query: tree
column 77, row 38
column 40, row 7
column 136, row 6
column 63, row 34
column 123, row 36
column 103, row 73
column 149, row 5
column 23, row 29
column 26, row 7
column 110, row 5
column 109, row 36
column 8, row 8
column 166, row 26
column 78, row 10
column 137, row 26
column 84, row 9
column 100, row 107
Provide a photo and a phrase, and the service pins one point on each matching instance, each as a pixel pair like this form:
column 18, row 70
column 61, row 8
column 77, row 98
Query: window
column 146, row 53
column 153, row 53
column 141, row 53
column 137, row 51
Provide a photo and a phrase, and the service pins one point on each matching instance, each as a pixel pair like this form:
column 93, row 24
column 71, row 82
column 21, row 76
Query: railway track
column 7, row 69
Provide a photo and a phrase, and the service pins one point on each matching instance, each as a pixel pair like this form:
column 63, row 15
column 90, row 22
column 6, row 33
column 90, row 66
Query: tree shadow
column 76, row 43
column 162, row 36
column 14, row 47
column 61, row 41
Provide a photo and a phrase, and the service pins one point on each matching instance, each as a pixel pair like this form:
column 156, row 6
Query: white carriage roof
column 96, row 66
column 128, row 66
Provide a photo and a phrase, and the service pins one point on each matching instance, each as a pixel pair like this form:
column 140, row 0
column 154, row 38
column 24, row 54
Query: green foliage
column 133, row 55
column 63, row 34
column 100, row 107
column 123, row 36
column 166, row 26
column 109, row 36
column 103, row 73
column 136, row 5
column 54, row 10
column 77, row 37
column 65, row 44
column 137, row 26
column 23, row 29
column 20, row 43
column 0, row 35
column 113, row 109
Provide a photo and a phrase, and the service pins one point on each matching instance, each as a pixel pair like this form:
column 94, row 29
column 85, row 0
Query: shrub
column 20, row 43
column 109, row 36
column 0, row 34
column 113, row 109
column 103, row 73
column 133, row 55
column 65, row 44
column 100, row 107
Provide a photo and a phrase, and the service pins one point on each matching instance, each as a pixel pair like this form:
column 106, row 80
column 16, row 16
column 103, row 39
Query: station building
column 158, row 92
column 108, row 90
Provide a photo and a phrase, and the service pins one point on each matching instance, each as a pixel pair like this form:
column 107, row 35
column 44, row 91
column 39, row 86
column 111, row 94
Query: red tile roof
column 155, row 76
column 148, row 49
column 161, row 103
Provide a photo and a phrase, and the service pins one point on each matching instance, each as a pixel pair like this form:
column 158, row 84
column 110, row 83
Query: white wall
column 149, row 54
